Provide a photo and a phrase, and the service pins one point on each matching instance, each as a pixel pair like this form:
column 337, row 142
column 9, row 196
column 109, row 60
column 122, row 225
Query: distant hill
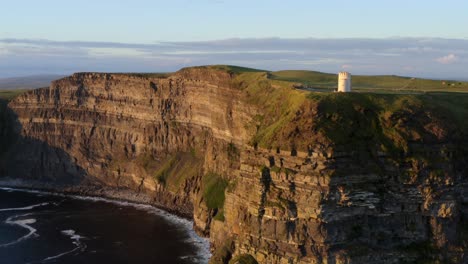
column 27, row 82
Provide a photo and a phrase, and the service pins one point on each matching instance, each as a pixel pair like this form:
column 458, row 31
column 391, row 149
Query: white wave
column 24, row 208
column 69, row 232
column 10, row 189
column 24, row 223
column 190, row 257
column 76, row 241
column 72, row 234
column 201, row 243
column 59, row 255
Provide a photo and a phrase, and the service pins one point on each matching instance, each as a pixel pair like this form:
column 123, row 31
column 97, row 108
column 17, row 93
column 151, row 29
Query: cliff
column 267, row 171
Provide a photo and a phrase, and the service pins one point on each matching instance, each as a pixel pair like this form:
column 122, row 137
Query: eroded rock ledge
column 266, row 170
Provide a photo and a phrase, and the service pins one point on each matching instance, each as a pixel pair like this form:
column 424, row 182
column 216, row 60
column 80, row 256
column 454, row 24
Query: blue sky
column 51, row 36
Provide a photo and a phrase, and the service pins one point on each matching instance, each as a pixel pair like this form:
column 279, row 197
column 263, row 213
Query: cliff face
column 265, row 170
column 130, row 132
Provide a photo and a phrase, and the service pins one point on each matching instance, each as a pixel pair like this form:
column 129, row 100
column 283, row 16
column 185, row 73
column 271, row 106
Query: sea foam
column 24, row 223
column 24, row 208
column 76, row 241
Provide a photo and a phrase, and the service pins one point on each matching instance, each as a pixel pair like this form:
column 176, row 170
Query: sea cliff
column 267, row 171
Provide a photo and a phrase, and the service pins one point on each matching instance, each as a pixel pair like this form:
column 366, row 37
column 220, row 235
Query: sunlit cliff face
column 264, row 170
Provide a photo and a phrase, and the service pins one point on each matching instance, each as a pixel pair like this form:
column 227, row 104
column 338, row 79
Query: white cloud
column 116, row 52
column 206, row 52
column 449, row 59
column 3, row 51
column 362, row 56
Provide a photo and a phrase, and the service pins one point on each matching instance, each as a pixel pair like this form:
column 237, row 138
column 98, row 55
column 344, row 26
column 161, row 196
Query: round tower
column 344, row 82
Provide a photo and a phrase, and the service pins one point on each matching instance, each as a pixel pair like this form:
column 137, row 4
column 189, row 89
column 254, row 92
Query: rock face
column 129, row 131
column 280, row 186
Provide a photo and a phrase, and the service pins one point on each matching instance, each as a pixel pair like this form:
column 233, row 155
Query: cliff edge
column 269, row 172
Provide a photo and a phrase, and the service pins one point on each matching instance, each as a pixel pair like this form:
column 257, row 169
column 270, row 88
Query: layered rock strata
column 189, row 142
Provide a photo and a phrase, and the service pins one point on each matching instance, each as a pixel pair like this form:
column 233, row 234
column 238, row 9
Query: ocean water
column 37, row 227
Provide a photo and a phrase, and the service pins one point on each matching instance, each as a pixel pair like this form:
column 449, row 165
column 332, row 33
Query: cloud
column 115, row 52
column 451, row 58
column 367, row 56
column 3, row 51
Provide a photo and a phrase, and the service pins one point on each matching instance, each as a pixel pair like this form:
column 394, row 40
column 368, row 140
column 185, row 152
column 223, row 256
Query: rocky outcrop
column 265, row 170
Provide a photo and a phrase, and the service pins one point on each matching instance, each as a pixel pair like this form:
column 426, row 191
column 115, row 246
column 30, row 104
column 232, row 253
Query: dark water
column 43, row 228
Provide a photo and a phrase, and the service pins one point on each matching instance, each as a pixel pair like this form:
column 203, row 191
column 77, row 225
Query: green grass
column 146, row 75
column 354, row 118
column 213, row 190
column 8, row 95
column 313, row 78
column 173, row 170
column 230, row 68
column 377, row 83
column 279, row 101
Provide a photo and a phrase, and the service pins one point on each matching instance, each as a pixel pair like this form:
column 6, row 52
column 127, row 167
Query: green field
column 145, row 75
column 234, row 69
column 7, row 95
column 327, row 82
column 364, row 83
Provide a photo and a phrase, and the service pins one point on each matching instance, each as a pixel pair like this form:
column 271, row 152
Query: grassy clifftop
column 363, row 83
column 293, row 118
column 390, row 121
column 7, row 95
column 390, row 112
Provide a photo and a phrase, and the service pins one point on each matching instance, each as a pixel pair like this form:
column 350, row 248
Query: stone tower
column 344, row 82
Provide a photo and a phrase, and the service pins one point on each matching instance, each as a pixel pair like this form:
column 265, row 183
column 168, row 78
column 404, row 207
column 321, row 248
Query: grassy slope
column 146, row 75
column 362, row 83
column 293, row 118
column 278, row 100
column 234, row 69
column 392, row 120
column 7, row 95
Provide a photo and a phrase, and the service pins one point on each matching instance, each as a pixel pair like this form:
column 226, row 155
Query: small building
column 344, row 82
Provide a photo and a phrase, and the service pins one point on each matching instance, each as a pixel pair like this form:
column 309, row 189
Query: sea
column 41, row 227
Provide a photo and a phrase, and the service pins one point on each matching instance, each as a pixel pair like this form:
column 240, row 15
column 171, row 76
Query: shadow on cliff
column 31, row 160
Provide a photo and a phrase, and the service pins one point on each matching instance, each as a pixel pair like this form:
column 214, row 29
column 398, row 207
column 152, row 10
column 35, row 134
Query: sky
column 411, row 38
